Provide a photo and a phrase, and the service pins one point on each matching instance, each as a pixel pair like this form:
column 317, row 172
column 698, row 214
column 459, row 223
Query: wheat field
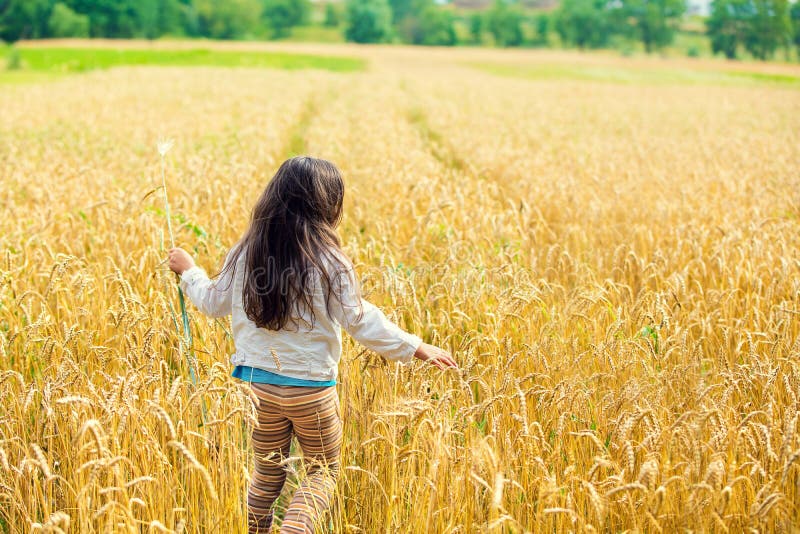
column 613, row 262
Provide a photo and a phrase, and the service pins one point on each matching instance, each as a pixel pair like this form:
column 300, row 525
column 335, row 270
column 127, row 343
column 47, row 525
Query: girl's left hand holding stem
column 179, row 260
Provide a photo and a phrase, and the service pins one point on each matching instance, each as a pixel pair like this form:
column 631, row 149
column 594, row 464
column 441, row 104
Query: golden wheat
column 615, row 266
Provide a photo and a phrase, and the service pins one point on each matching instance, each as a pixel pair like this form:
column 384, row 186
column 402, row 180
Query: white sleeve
column 211, row 297
column 366, row 323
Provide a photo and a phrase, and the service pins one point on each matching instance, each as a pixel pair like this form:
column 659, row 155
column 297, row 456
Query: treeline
column 150, row 19
column 425, row 22
column 760, row 27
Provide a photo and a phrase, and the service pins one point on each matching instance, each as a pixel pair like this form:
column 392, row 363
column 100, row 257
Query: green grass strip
column 85, row 59
column 637, row 76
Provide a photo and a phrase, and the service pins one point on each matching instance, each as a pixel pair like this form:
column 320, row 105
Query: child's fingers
column 446, row 358
column 444, row 361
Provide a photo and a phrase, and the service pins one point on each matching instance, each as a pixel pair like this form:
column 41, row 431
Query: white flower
column 164, row 145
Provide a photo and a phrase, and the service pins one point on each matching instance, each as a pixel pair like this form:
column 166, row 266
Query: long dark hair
column 292, row 240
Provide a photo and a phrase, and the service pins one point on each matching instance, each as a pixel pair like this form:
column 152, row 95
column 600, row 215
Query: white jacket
column 311, row 354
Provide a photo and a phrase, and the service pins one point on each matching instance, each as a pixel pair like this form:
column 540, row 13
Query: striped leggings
column 312, row 415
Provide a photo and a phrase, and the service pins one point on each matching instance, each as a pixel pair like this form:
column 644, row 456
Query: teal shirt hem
column 260, row 376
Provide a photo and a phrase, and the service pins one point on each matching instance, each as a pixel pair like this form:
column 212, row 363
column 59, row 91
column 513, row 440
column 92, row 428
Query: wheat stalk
column 164, row 147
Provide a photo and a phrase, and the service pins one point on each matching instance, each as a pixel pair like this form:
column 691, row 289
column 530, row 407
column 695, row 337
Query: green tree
column 402, row 9
column 280, row 16
column 428, row 24
column 653, row 21
column 726, row 26
column 761, row 26
column 794, row 16
column 541, row 24
column 108, row 18
column 154, row 18
column 368, row 21
column 64, row 22
column 189, row 18
column 409, row 29
column 504, row 22
column 332, row 15
column 24, row 19
column 146, row 13
column 228, row 19
column 172, row 17
column 476, row 27
column 767, row 28
column 583, row 23
column 437, row 26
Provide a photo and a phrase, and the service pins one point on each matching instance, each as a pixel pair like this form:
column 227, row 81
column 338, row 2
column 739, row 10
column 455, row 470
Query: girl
column 290, row 289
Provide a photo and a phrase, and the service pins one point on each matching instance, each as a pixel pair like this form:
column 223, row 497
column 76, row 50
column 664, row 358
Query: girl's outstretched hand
column 180, row 260
column 436, row 356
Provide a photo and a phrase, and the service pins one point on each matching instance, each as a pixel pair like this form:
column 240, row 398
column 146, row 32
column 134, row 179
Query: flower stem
column 166, row 202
